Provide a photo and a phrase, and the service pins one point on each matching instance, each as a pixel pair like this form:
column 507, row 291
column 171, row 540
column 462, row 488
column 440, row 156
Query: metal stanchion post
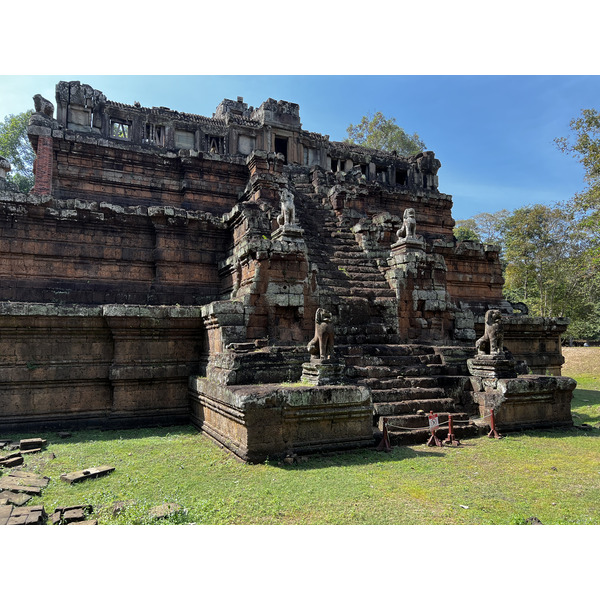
column 451, row 439
column 493, row 433
column 385, row 440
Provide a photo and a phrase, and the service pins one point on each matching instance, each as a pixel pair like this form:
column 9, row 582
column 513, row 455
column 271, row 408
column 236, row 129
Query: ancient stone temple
column 280, row 291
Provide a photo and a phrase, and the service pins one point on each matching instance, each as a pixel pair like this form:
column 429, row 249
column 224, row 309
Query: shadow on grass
column 584, row 397
column 104, row 435
column 359, row 457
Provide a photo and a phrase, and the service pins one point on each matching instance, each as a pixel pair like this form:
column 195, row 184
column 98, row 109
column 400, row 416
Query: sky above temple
column 493, row 134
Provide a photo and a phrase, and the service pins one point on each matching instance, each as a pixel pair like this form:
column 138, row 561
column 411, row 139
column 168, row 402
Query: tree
column 16, row 148
column 465, row 231
column 548, row 265
column 378, row 132
column 586, row 147
column 486, row 228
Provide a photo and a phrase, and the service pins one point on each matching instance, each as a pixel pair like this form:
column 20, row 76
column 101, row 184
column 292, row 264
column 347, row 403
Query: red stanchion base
column 434, row 440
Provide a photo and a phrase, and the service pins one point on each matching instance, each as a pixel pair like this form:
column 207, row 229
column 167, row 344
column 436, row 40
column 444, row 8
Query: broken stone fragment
column 65, row 515
column 11, row 462
column 15, row 499
column 32, row 444
column 86, row 474
column 13, row 515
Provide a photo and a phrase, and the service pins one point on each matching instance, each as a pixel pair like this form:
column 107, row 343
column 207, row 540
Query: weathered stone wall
column 130, row 175
column 105, row 366
column 96, row 253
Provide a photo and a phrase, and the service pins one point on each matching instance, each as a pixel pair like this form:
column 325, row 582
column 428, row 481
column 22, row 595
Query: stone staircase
column 407, row 381
column 350, row 285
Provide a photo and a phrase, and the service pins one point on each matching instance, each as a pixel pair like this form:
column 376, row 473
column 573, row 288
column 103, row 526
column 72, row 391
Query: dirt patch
column 581, row 361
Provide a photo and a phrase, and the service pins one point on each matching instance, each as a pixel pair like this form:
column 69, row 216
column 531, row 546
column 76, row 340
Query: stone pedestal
column 287, row 233
column 322, row 372
column 492, row 366
column 410, row 245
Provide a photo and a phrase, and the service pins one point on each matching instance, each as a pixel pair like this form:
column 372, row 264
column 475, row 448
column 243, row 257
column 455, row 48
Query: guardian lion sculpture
column 409, row 225
column 321, row 346
column 492, row 341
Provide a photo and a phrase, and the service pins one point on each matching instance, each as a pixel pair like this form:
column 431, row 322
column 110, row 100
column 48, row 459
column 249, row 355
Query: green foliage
column 463, row 233
column 381, row 133
column 486, row 228
column 586, row 148
column 16, row 148
column 550, row 268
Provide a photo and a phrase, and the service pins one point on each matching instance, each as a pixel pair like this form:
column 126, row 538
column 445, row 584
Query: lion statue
column 321, row 346
column 492, row 341
column 409, row 225
column 288, row 210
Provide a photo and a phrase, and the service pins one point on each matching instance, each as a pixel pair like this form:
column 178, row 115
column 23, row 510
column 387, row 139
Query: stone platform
column 256, row 422
column 527, row 401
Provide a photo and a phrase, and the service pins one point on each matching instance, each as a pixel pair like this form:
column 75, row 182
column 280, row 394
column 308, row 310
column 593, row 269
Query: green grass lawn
column 553, row 475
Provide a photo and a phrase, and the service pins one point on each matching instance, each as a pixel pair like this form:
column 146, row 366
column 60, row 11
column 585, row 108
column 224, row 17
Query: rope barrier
column 391, row 426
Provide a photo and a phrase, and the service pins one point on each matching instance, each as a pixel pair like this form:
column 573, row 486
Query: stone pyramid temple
column 282, row 292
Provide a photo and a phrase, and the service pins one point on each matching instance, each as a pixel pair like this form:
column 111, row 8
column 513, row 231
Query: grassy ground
column 552, row 475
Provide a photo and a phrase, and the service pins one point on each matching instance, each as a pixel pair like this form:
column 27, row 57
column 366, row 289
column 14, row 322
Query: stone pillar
column 42, row 167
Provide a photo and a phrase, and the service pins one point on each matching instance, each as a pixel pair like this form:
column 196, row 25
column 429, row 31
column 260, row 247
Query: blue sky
column 493, row 133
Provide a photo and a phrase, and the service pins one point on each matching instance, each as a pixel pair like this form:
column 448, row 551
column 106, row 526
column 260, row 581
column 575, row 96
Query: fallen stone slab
column 15, row 499
column 86, row 474
column 90, row 522
column 65, row 515
column 164, row 510
column 5, row 512
column 25, row 478
column 31, row 451
column 8, row 463
column 26, row 515
column 32, row 444
column 9, row 484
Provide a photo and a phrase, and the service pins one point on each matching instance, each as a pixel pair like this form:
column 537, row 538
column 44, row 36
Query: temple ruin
column 169, row 268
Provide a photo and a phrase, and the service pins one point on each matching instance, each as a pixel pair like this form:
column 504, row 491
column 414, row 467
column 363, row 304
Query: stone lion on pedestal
column 492, row 341
column 288, row 210
column 409, row 225
column 321, row 346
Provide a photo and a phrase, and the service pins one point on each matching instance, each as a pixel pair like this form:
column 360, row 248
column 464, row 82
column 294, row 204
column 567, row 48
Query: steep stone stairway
column 407, row 381
column 351, row 285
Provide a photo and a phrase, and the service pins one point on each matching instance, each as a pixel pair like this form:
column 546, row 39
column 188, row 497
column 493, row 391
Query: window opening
column 155, row 134
column 120, row 129
column 281, row 146
column 215, row 144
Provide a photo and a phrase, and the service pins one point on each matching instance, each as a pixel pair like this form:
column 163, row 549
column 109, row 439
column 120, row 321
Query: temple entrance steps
column 407, row 382
column 350, row 284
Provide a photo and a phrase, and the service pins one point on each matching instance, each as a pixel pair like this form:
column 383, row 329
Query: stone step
column 409, row 438
column 422, row 420
column 406, row 394
column 363, row 362
column 430, row 370
column 410, row 407
column 395, row 382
